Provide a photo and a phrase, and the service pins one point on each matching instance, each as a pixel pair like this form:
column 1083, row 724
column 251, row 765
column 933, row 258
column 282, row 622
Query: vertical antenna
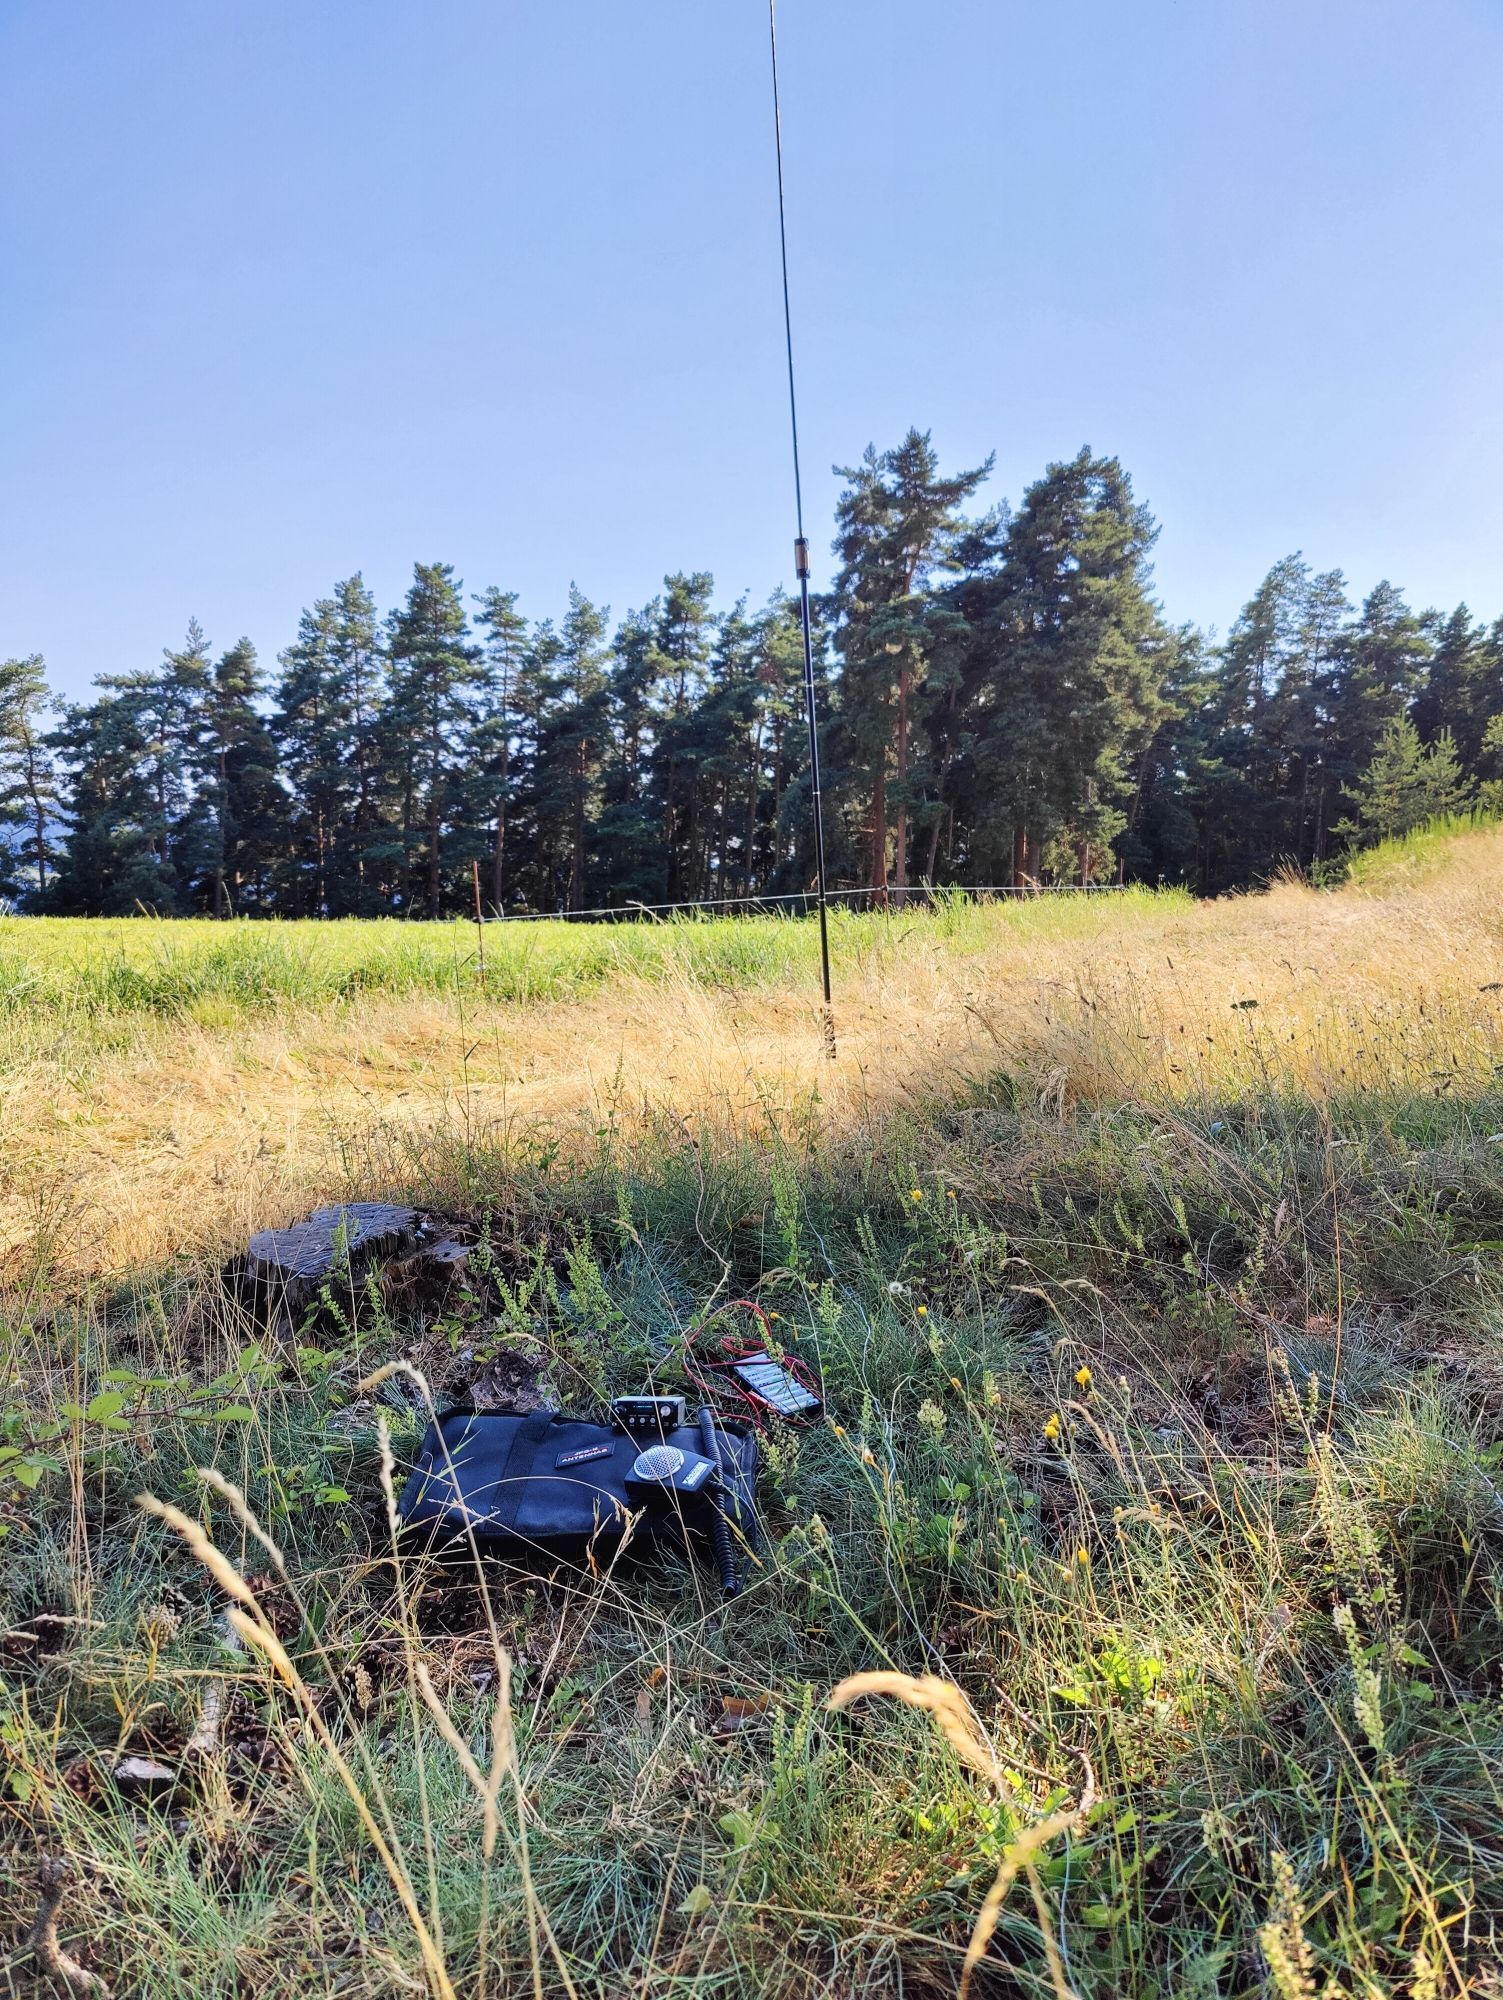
column 801, row 561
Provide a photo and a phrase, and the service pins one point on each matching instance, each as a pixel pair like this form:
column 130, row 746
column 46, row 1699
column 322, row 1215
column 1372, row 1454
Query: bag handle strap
column 520, row 1460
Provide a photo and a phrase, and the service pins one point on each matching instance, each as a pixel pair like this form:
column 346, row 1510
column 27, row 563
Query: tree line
column 1002, row 697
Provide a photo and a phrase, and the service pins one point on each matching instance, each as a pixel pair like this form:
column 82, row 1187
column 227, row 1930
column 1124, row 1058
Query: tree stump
column 286, row 1270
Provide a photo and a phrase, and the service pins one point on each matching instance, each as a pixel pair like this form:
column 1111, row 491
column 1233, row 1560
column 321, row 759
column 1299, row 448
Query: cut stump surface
column 288, row 1268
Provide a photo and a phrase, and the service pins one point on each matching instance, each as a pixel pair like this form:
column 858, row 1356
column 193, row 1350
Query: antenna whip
column 801, row 561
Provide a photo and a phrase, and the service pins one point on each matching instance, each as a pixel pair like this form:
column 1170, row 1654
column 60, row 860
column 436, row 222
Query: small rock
column 143, row 1775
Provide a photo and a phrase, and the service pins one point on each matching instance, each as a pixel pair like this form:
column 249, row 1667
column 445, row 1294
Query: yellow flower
column 1051, row 1428
column 1083, row 1376
column 840, row 1430
column 915, row 1194
column 949, row 1194
column 1082, row 1556
column 956, row 1383
column 923, row 1312
column 774, row 1315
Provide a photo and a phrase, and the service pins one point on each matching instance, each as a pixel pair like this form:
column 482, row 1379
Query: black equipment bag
column 548, row 1487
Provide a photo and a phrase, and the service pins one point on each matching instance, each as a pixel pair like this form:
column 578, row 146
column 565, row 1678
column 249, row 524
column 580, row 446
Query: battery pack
column 773, row 1385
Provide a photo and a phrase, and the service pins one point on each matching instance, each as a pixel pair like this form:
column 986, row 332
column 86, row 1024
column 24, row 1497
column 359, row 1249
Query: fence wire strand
column 887, row 900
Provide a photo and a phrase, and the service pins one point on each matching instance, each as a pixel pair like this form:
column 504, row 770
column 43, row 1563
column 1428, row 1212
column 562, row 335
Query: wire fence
column 913, row 895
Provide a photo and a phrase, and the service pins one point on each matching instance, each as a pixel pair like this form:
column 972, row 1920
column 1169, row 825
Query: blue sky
column 290, row 289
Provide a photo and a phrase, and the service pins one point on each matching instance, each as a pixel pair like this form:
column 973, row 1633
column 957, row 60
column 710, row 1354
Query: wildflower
column 1051, row 1428
column 1083, row 1376
column 867, row 1456
column 923, row 1312
column 915, row 1194
column 931, row 1416
column 956, row 1383
column 1083, row 1557
column 840, row 1430
column 949, row 1194
column 774, row 1315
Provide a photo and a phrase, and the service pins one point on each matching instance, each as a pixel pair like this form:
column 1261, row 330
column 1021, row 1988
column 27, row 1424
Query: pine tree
column 1490, row 769
column 726, row 757
column 679, row 661
column 1259, row 676
column 1264, row 720
column 1322, row 635
column 504, row 654
column 578, row 737
column 237, row 772
column 1071, row 657
column 1164, row 840
column 435, row 675
column 540, row 816
column 963, row 686
column 311, row 725
column 1463, row 690
column 896, row 522
column 738, row 723
column 630, row 834
column 1379, row 677
column 29, row 789
column 166, row 708
column 1405, row 783
column 111, row 864
column 364, row 848
column 784, row 839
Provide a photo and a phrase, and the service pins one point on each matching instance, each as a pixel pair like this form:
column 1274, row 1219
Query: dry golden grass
column 1159, row 1468
column 129, row 1138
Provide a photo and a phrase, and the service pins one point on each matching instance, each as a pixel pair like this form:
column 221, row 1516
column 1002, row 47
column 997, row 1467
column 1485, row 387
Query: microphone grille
column 659, row 1461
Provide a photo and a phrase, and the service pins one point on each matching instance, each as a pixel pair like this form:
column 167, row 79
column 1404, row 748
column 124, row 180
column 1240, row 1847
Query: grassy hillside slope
column 1151, row 1253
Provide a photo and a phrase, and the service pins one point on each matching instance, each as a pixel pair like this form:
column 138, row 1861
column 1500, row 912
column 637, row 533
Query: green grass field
column 1153, row 1258
column 171, row 965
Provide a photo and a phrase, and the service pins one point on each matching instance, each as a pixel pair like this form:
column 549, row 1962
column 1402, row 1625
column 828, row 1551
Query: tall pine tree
column 30, row 798
column 237, row 774
column 435, row 676
column 679, row 661
column 504, row 653
column 896, row 522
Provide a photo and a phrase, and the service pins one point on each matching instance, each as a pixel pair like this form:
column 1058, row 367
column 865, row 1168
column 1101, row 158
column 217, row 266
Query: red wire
column 715, row 1379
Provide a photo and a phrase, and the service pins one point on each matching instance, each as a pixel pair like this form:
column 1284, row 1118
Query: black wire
column 801, row 554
